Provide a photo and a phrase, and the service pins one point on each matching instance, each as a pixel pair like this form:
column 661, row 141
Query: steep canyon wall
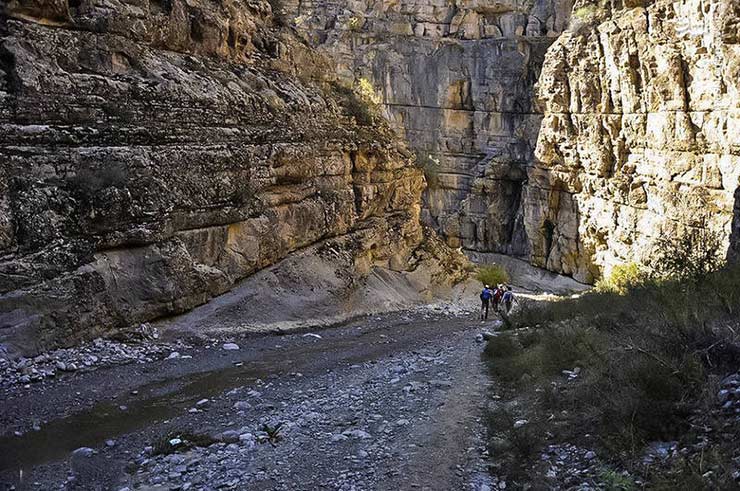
column 641, row 135
column 456, row 80
column 155, row 152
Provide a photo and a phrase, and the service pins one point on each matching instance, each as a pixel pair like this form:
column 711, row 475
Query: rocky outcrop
column 642, row 115
column 455, row 78
column 156, row 152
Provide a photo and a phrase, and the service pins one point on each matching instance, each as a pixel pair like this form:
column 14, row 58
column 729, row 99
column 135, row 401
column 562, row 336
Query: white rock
column 230, row 346
column 85, row 452
column 521, row 422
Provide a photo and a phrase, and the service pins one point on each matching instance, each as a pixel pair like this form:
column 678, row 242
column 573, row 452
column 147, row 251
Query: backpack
column 485, row 294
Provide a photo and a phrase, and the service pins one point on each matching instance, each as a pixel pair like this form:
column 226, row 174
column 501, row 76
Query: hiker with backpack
column 485, row 296
column 508, row 299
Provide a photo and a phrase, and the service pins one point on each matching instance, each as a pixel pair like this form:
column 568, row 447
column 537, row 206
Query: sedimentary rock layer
column 154, row 153
column 641, row 134
column 455, row 78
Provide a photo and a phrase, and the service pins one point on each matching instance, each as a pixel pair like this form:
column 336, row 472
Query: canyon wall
column 456, row 80
column 641, row 134
column 155, row 152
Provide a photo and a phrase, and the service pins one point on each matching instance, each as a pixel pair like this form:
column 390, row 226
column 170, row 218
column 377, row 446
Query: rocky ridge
column 157, row 152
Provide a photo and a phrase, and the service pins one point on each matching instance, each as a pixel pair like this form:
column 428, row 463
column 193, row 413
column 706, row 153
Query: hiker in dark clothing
column 485, row 298
column 508, row 299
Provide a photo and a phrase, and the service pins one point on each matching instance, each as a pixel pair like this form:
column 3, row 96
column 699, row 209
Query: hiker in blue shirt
column 485, row 298
column 508, row 299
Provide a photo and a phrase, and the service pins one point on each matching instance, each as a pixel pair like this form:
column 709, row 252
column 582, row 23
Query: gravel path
column 391, row 402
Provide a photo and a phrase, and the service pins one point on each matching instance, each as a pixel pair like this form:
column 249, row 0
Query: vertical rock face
column 642, row 114
column 155, row 152
column 455, row 78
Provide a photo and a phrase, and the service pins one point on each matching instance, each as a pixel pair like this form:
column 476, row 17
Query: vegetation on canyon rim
column 650, row 349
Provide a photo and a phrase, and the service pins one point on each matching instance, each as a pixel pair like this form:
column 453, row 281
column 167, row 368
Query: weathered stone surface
column 455, row 78
column 641, row 113
column 154, row 153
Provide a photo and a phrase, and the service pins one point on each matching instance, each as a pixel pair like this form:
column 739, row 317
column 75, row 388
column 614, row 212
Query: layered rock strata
column 455, row 78
column 641, row 134
column 153, row 153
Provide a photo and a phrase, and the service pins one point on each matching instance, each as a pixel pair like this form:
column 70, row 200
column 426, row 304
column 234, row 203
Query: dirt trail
column 382, row 402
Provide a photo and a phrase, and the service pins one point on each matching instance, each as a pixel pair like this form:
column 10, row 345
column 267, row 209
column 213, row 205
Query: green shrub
column 358, row 106
column 590, row 13
column 492, row 275
column 615, row 481
column 503, row 346
column 650, row 351
column 691, row 256
column 623, row 277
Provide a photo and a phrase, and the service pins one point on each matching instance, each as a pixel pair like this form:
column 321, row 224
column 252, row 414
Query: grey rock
column 229, row 436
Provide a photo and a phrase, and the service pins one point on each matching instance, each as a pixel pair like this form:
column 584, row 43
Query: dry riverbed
column 382, row 402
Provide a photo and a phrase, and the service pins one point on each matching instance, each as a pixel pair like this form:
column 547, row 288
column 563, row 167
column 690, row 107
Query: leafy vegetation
column 646, row 351
column 588, row 13
column 622, row 278
column 273, row 432
column 358, row 103
column 492, row 274
column 690, row 255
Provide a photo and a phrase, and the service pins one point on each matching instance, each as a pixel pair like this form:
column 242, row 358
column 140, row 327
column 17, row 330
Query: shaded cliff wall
column 642, row 114
column 455, row 78
column 153, row 153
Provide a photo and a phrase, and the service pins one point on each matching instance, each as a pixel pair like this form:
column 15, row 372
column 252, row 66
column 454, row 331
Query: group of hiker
column 501, row 297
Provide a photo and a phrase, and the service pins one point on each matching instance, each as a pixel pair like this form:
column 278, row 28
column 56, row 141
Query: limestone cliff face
column 455, row 78
column 153, row 153
column 642, row 112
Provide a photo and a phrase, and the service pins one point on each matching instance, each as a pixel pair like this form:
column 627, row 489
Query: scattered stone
column 359, row 434
column 230, row 346
column 229, row 436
